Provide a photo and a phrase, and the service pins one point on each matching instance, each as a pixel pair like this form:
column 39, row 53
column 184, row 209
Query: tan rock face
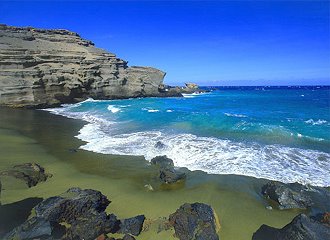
column 41, row 68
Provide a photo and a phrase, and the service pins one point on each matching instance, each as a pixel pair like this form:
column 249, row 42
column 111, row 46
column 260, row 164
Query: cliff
column 42, row 68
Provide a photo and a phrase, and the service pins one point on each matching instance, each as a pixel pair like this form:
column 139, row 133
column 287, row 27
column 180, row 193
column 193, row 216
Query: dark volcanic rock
column 34, row 228
column 162, row 162
column 160, row 145
column 171, row 175
column 132, row 225
column 15, row 214
column 167, row 172
column 285, row 197
column 92, row 226
column 195, row 221
column 301, row 228
column 73, row 204
column 30, row 173
column 74, row 215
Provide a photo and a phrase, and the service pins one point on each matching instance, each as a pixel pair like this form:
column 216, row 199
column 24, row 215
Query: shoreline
column 123, row 178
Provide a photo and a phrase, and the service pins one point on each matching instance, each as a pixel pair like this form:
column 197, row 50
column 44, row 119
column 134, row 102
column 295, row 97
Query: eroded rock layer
column 41, row 68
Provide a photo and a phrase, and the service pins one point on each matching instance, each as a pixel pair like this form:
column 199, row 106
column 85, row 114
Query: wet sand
column 38, row 136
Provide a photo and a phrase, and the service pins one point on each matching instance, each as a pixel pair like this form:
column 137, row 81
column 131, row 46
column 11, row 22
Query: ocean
column 276, row 133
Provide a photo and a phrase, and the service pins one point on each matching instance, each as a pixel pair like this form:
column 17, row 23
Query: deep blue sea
column 278, row 133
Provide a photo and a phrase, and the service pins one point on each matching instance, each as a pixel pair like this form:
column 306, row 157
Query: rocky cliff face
column 41, row 68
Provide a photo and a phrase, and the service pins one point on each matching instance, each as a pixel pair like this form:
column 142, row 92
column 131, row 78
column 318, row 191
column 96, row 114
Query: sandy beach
column 38, row 136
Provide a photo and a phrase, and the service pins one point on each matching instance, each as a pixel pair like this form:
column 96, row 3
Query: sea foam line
column 216, row 156
column 212, row 155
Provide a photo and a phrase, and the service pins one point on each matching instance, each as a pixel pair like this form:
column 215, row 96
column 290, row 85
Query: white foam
column 318, row 122
column 212, row 155
column 186, row 95
column 150, row 110
column 113, row 109
column 169, row 110
column 216, row 156
column 235, row 115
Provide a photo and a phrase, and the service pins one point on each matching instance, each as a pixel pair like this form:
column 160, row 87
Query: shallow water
column 280, row 134
column 44, row 138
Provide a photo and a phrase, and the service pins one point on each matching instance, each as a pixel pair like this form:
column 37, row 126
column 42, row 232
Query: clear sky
column 211, row 43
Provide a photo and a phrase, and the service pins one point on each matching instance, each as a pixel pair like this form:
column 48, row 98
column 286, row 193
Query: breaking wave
column 215, row 156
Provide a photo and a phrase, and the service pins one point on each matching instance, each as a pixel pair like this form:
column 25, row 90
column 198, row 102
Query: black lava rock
column 132, row 225
column 162, row 162
column 30, row 173
column 71, row 205
column 195, row 221
column 167, row 172
column 34, row 228
column 92, row 226
column 301, row 228
column 171, row 175
column 285, row 196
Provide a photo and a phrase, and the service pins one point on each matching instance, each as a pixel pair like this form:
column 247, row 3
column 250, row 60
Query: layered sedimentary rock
column 40, row 68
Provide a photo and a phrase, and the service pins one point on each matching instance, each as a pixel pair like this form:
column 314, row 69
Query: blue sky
column 211, row 43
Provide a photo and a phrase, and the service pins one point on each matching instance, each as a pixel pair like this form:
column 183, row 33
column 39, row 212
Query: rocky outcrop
column 191, row 85
column 34, row 228
column 91, row 226
column 41, row 68
column 73, row 215
column 302, row 227
column 195, row 221
column 162, row 162
column 167, row 172
column 132, row 225
column 30, row 173
column 71, row 205
column 285, row 196
column 192, row 88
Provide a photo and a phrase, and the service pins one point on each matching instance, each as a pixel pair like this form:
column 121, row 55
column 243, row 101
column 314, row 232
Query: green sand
column 37, row 136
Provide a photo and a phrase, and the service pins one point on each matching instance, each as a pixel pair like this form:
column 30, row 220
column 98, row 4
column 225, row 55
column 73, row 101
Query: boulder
column 82, row 212
column 302, row 227
column 162, row 162
column 160, row 145
column 167, row 172
column 285, row 196
column 34, row 228
column 132, row 225
column 71, row 205
column 30, row 173
column 195, row 221
column 92, row 226
column 171, row 175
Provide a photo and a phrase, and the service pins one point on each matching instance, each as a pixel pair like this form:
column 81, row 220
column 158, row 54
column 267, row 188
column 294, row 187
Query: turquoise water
column 269, row 132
